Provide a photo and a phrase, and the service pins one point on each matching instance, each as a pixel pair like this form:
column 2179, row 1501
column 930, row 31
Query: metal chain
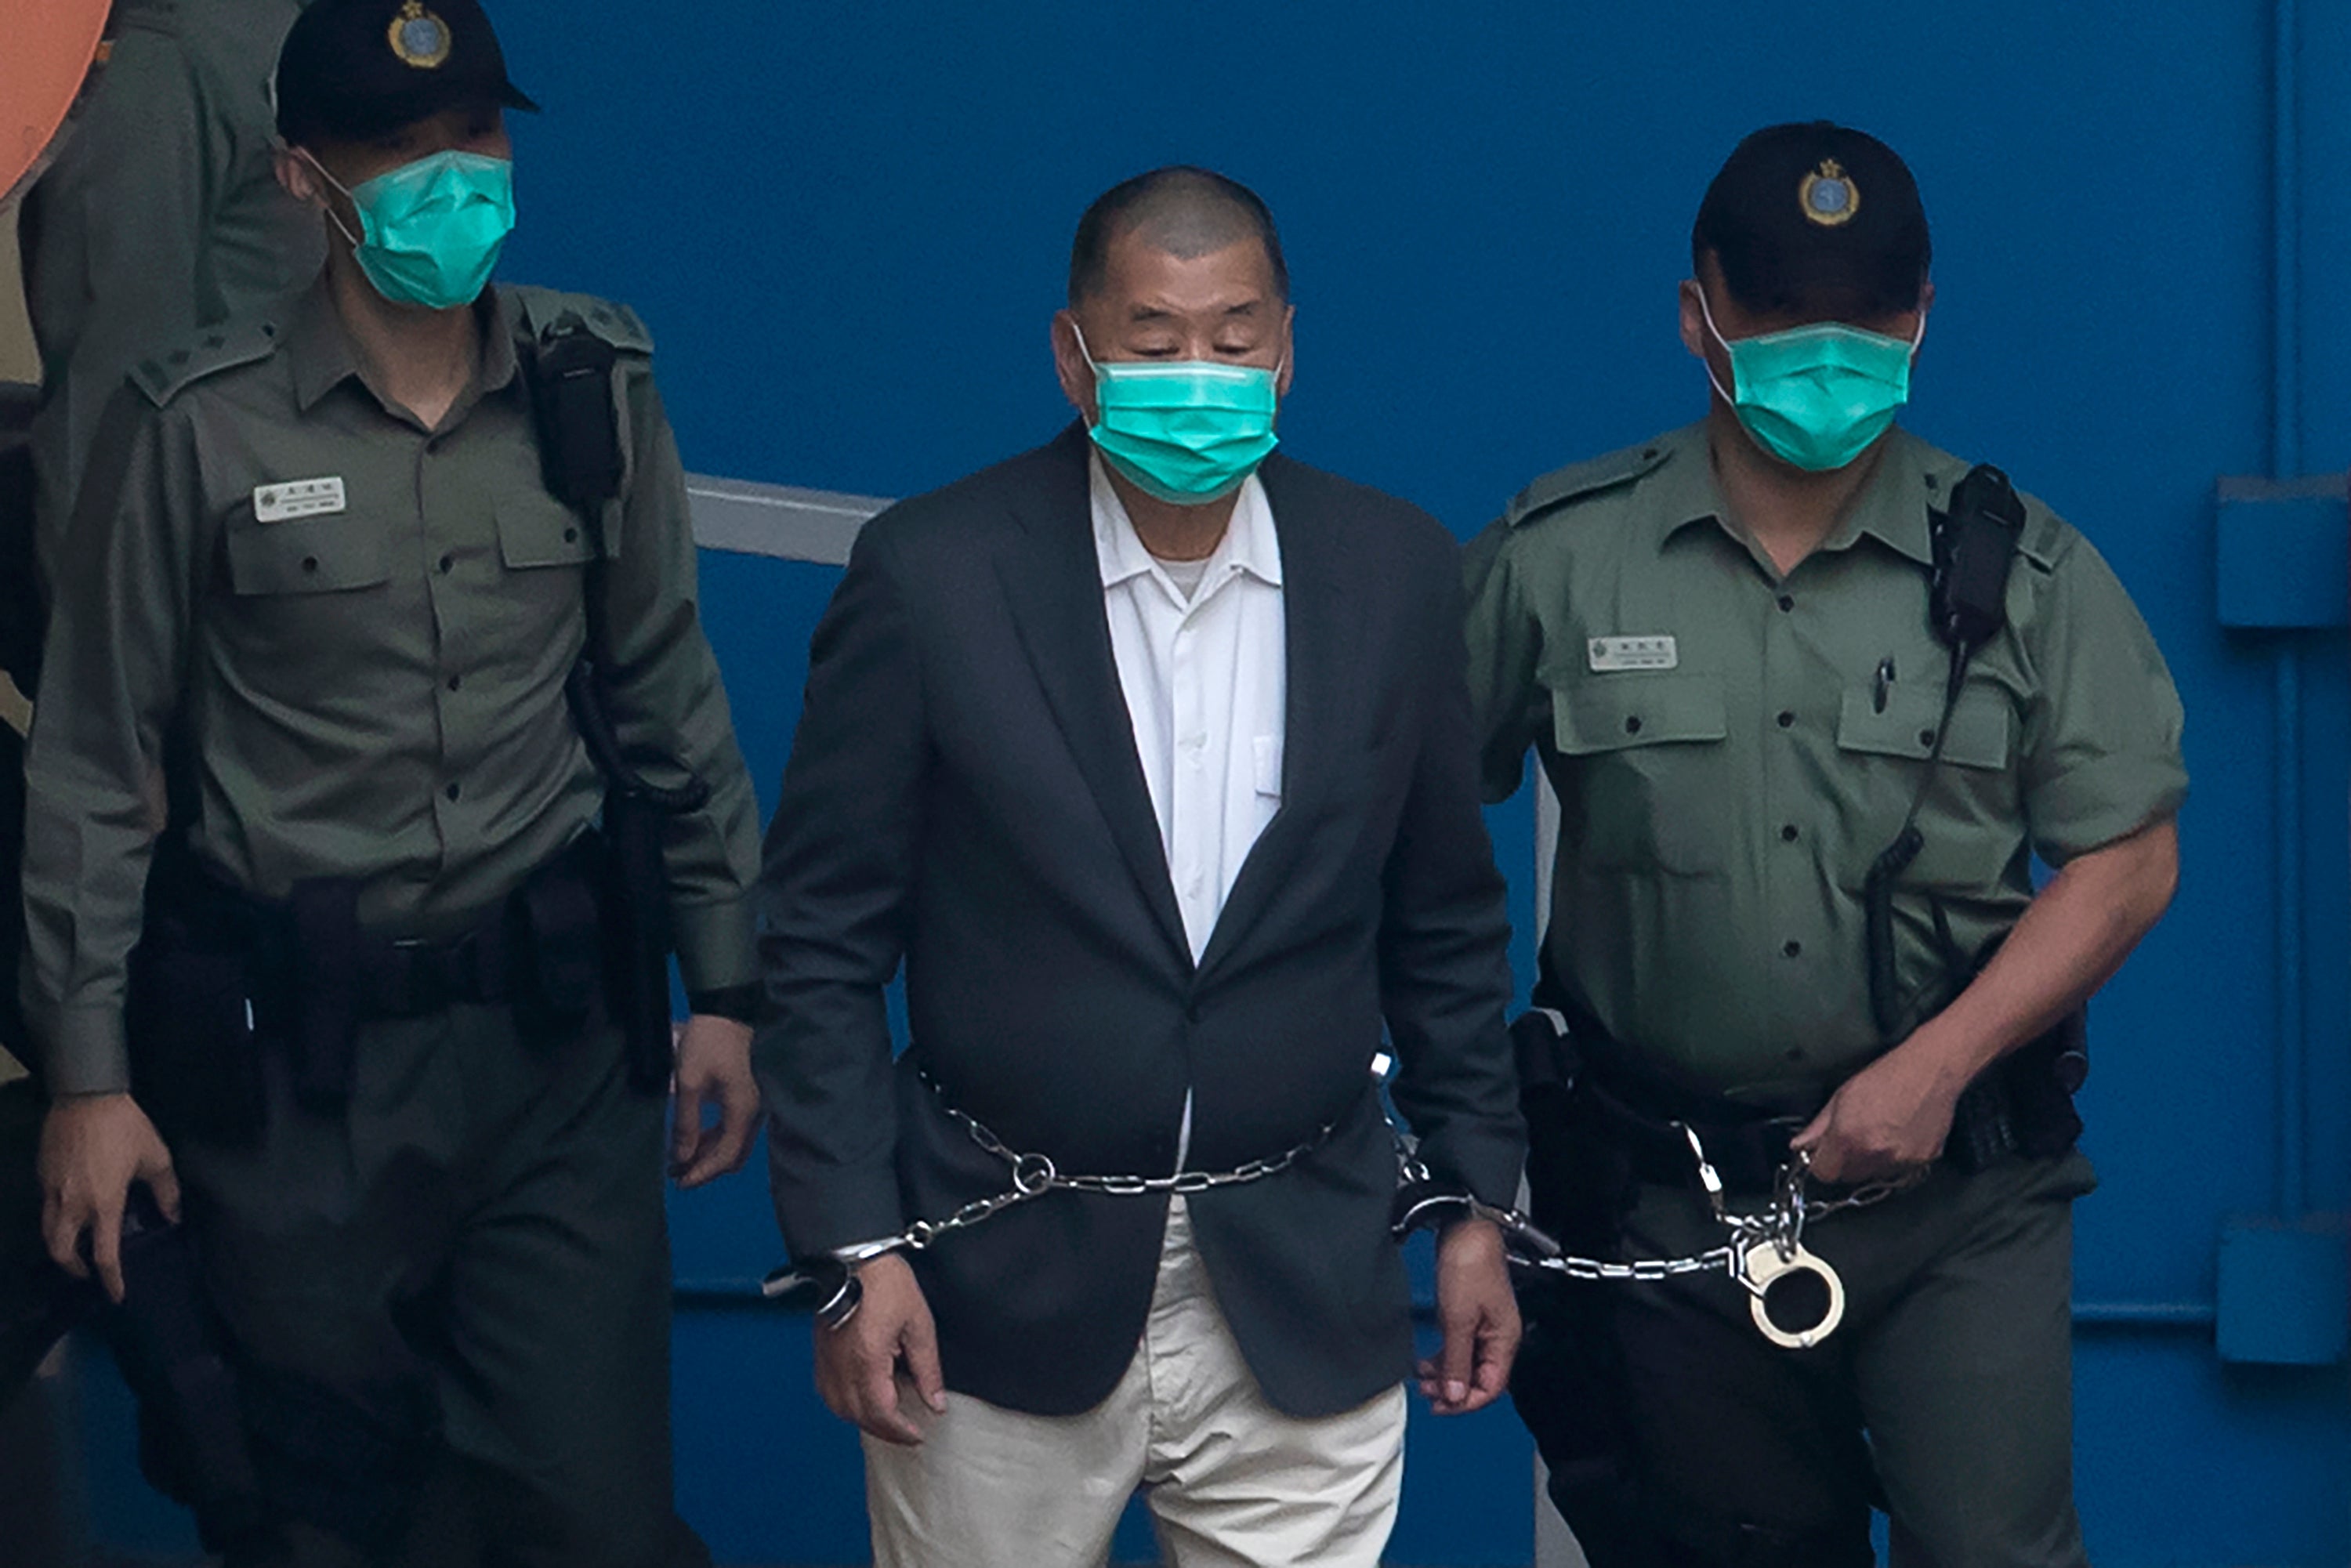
column 1034, row 1174
column 1780, row 1225
column 1759, row 1247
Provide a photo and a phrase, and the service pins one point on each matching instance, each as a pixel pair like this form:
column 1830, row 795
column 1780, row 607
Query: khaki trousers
column 1231, row 1481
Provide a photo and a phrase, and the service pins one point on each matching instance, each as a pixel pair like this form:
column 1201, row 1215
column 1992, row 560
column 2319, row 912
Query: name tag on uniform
column 1656, row 653
column 297, row 499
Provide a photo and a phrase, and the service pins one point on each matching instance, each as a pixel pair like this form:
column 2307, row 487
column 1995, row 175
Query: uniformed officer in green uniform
column 322, row 577
column 160, row 216
column 1720, row 645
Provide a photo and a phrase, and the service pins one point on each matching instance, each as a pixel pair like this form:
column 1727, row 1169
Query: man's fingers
column 1815, row 1131
column 685, row 1125
column 921, row 1340
column 1457, row 1362
column 165, row 1183
column 878, row 1394
column 61, row 1228
column 106, row 1249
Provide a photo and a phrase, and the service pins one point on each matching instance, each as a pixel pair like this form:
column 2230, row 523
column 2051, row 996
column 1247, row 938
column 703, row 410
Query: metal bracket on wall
column 2284, row 570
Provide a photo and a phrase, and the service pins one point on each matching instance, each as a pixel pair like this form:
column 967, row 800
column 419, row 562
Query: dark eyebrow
column 1150, row 313
column 1249, row 309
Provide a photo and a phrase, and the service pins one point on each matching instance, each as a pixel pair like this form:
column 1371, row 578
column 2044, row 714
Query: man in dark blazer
column 1148, row 754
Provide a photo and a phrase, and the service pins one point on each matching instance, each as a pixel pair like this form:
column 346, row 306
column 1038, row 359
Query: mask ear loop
column 332, row 216
column 1707, row 311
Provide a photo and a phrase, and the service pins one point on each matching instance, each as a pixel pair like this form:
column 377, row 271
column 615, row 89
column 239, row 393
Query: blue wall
column 847, row 225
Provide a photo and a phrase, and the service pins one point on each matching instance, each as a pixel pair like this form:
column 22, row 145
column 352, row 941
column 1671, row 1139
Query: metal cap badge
column 1828, row 196
column 1816, row 216
column 354, row 70
column 419, row 37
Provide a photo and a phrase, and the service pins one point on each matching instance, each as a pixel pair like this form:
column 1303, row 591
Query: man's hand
column 93, row 1147
column 1889, row 1118
column 714, row 1067
column 1479, row 1317
column 857, row 1363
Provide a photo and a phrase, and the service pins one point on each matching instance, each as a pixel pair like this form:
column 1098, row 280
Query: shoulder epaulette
column 164, row 376
column 1580, row 479
column 536, row 310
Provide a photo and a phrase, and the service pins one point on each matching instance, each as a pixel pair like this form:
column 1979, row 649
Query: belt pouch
column 188, row 1016
column 637, row 937
column 2041, row 1078
column 326, row 991
column 559, row 934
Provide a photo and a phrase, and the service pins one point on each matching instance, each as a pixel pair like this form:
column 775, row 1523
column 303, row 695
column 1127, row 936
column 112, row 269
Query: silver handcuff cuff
column 1762, row 1248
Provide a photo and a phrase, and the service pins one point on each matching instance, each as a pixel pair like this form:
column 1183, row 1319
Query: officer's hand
column 714, row 1067
column 1889, row 1118
column 1479, row 1316
column 93, row 1147
column 857, row 1363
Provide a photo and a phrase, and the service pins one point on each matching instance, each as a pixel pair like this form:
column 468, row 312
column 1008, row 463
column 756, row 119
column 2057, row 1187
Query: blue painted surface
column 847, row 225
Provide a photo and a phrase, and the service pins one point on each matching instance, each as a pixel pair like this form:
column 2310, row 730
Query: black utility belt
column 219, row 978
column 2023, row 1104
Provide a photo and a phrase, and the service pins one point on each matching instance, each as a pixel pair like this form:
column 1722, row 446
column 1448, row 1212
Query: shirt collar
column 1892, row 507
column 319, row 348
column 1250, row 543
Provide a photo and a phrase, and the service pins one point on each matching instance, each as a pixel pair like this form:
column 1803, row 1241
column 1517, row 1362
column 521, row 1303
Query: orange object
column 47, row 48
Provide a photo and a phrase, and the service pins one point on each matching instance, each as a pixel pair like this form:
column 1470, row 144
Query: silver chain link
column 1034, row 1174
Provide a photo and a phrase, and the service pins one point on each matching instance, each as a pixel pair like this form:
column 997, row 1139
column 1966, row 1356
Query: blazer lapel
column 1053, row 581
column 1322, row 629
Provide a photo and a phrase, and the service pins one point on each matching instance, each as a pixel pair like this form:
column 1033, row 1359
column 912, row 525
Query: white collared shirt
column 1206, row 679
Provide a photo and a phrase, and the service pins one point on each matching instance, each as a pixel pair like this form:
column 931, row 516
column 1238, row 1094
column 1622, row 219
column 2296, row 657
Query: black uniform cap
column 1806, row 215
column 353, row 70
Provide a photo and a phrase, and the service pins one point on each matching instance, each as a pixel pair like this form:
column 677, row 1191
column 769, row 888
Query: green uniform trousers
column 1945, row 1397
column 478, row 1245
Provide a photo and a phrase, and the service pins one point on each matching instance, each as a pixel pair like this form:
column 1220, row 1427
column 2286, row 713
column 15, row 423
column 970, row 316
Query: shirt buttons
column 1925, row 738
column 1632, row 724
column 1793, row 948
column 1787, row 601
column 1786, row 830
column 452, row 790
column 447, row 563
column 1786, row 719
column 457, row 681
column 309, row 563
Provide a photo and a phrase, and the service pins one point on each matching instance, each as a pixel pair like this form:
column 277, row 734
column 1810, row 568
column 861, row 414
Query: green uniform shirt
column 365, row 627
column 1729, row 763
column 159, row 216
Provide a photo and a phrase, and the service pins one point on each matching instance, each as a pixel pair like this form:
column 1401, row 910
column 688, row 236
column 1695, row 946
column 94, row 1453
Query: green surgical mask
column 1815, row 397
column 1188, row 432
column 431, row 231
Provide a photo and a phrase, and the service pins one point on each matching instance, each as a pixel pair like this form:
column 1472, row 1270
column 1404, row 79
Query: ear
column 1289, row 351
column 1695, row 337
column 295, row 177
column 1925, row 307
column 1070, row 365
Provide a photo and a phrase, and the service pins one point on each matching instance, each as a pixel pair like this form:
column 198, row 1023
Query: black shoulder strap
column 569, row 369
column 1974, row 546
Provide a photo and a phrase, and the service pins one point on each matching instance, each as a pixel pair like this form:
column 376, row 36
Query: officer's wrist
column 737, row 1004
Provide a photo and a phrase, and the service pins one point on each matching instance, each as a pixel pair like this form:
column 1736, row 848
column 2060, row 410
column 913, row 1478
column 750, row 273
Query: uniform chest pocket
column 1970, row 819
column 538, row 531
column 1906, row 726
column 331, row 554
column 1642, row 770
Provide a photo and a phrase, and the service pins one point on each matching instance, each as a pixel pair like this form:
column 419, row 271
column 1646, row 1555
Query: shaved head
column 1180, row 211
